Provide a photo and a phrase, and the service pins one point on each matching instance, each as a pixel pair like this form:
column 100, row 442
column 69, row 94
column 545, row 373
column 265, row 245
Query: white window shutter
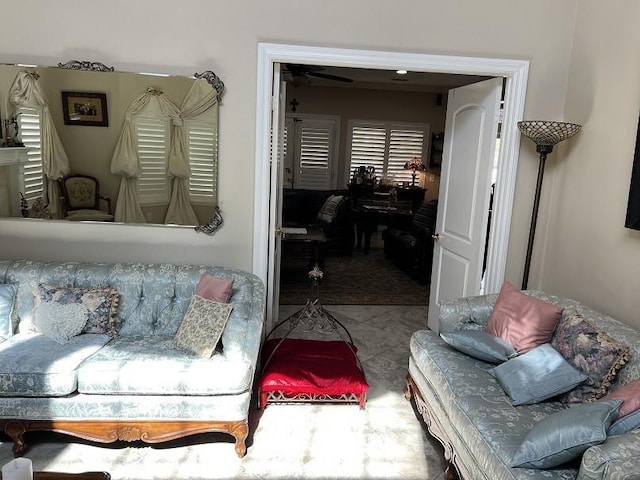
column 152, row 136
column 368, row 147
column 405, row 143
column 203, row 145
column 316, row 142
column 386, row 146
column 29, row 124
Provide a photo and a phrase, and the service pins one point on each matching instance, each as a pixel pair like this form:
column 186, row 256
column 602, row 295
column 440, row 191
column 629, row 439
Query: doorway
column 515, row 73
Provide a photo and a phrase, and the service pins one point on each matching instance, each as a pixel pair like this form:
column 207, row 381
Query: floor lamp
column 545, row 134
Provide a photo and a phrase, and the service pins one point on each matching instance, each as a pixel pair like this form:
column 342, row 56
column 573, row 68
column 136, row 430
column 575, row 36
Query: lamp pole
column 543, row 150
column 545, row 134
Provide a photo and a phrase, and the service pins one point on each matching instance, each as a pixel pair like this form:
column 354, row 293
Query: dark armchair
column 81, row 199
column 412, row 248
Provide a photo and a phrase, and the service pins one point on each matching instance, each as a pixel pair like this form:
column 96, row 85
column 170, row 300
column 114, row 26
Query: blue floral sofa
column 466, row 409
column 136, row 385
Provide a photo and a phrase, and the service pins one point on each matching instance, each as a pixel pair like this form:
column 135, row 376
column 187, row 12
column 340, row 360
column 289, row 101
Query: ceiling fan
column 300, row 74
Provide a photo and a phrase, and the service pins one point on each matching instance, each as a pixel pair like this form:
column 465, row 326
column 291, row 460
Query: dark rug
column 358, row 279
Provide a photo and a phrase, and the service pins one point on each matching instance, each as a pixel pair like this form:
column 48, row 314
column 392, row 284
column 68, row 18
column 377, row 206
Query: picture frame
column 85, row 108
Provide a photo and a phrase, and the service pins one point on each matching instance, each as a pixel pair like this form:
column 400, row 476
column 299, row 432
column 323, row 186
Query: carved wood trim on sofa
column 451, row 472
column 108, row 431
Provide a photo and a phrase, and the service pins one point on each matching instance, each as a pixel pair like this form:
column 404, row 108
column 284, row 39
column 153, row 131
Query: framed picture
column 633, row 204
column 85, row 108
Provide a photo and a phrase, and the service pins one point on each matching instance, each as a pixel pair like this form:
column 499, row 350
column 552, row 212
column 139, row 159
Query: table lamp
column 415, row 165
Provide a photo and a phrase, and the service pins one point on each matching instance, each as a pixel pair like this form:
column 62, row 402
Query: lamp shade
column 544, row 132
column 415, row 164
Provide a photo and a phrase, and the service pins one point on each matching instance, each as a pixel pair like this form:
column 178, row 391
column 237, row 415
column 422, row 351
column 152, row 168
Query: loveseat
column 466, row 408
column 131, row 383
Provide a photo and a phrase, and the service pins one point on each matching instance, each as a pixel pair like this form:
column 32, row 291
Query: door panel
column 471, row 129
column 275, row 197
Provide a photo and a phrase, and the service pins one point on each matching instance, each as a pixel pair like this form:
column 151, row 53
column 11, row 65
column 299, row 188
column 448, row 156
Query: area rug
column 359, row 279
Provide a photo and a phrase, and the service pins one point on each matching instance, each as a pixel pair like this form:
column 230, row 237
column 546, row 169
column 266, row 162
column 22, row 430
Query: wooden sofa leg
column 16, row 430
column 241, row 431
column 451, row 473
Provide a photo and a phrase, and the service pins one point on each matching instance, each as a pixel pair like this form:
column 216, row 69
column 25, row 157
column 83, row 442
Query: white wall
column 223, row 35
column 590, row 256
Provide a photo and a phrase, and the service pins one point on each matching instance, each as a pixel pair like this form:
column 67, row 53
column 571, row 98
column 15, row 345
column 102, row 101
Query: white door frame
column 515, row 72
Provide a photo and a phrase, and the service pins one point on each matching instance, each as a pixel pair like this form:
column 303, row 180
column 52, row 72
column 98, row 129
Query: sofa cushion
column 565, row 435
column 8, row 293
column 480, row 345
column 592, row 351
column 100, row 303
column 522, row 320
column 202, row 326
column 329, row 209
column 537, row 375
column 214, row 288
column 34, row 365
column 150, row 365
column 60, row 322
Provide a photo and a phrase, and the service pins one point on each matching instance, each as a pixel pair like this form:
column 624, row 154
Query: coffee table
column 70, row 476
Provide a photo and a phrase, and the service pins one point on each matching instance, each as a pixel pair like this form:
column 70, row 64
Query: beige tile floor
column 384, row 441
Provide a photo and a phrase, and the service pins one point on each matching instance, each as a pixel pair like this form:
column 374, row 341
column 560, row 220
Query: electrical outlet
column 432, row 178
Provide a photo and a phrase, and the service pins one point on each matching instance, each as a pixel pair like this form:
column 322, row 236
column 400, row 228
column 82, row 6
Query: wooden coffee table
column 69, row 476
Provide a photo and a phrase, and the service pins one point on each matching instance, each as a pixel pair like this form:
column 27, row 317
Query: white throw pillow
column 60, row 322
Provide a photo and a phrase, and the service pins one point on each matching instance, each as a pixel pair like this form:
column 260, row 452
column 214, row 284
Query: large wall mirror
column 150, row 141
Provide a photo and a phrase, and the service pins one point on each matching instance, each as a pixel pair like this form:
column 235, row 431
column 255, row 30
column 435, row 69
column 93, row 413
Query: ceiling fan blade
column 330, row 77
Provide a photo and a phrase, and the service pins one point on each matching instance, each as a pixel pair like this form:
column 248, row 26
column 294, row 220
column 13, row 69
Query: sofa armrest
column 616, row 459
column 471, row 313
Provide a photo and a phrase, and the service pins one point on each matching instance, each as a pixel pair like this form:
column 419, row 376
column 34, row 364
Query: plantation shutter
column 368, row 147
column 203, row 145
column 315, row 143
column 29, row 122
column 386, row 146
column 152, row 138
column 405, row 142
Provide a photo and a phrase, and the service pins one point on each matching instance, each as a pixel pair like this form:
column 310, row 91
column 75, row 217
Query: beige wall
column 589, row 254
column 223, row 35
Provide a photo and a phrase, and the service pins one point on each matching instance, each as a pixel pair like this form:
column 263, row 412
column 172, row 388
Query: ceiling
column 385, row 79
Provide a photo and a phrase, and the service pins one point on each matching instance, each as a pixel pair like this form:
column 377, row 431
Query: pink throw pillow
column 630, row 396
column 523, row 321
column 214, row 288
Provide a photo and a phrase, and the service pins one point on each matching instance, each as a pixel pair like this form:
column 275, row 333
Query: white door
column 471, row 130
column 275, row 198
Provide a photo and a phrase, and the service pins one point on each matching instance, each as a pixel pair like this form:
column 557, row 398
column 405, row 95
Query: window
column 29, row 122
column 203, row 146
column 153, row 139
column 386, row 146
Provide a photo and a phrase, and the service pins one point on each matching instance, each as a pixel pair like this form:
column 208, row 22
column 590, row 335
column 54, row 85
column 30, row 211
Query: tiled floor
column 383, row 441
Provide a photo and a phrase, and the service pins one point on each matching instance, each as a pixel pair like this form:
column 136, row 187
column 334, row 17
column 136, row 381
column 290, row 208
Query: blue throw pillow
column 537, row 375
column 481, row 345
column 565, row 435
column 626, row 424
column 8, row 293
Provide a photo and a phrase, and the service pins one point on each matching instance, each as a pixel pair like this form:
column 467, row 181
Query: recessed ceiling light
column 401, row 72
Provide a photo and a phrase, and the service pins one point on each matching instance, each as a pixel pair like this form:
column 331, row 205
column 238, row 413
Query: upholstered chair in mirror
column 81, row 199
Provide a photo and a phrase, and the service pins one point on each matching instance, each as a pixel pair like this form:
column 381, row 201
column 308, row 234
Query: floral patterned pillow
column 593, row 352
column 202, row 326
column 101, row 304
